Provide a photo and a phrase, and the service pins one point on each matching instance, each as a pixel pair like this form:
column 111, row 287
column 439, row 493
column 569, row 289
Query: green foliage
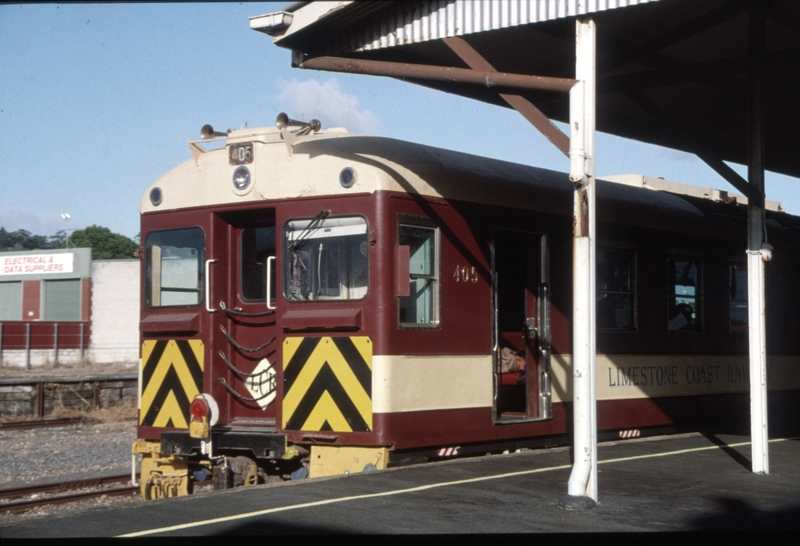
column 104, row 244
column 22, row 240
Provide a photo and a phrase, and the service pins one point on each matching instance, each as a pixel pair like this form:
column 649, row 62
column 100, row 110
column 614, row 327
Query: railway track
column 41, row 423
column 63, row 492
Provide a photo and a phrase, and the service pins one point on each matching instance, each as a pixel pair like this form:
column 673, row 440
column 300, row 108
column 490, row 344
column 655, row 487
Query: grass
column 118, row 413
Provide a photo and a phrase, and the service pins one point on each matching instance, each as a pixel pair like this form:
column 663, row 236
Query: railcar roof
column 396, row 165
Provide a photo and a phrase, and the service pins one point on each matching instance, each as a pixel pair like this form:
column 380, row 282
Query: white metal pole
column 758, row 251
column 758, row 362
column 583, row 479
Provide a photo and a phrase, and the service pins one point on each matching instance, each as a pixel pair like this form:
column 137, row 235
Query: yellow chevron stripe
column 198, row 349
column 325, row 407
column 327, row 410
column 290, row 345
column 172, row 357
column 171, row 410
column 326, row 351
column 363, row 345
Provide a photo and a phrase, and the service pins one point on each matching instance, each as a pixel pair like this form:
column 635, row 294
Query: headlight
column 241, row 178
column 347, row 177
column 156, row 196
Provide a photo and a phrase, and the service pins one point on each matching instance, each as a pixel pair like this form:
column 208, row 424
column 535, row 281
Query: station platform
column 690, row 482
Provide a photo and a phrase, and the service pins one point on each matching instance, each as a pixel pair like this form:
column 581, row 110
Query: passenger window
column 327, row 259
column 738, row 295
column 174, row 267
column 615, row 289
column 255, row 246
column 685, row 295
column 421, row 306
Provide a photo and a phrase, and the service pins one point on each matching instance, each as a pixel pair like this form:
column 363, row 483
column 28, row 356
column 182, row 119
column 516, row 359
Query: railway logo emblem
column 327, row 384
column 172, row 374
column 262, row 383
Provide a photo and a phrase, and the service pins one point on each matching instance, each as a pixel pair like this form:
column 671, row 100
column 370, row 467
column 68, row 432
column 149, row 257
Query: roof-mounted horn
column 290, row 137
column 283, row 121
column 208, row 132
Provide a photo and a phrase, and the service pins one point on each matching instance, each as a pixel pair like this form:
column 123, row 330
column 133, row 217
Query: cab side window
column 420, row 247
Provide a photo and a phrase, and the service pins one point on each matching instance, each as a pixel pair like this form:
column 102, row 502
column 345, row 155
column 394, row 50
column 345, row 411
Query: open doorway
column 521, row 283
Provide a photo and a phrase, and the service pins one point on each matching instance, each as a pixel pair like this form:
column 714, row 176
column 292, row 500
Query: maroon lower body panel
column 425, row 430
column 721, row 413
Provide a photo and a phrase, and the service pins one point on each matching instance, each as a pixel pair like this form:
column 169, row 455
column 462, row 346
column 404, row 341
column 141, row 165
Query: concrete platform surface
column 680, row 483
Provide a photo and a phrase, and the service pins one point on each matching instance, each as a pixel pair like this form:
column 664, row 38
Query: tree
column 21, row 240
column 105, row 245
column 59, row 240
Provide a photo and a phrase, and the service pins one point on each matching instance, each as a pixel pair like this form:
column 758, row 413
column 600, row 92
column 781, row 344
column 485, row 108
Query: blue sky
column 99, row 100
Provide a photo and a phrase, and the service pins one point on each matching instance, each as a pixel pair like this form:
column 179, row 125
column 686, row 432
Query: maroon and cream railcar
column 327, row 303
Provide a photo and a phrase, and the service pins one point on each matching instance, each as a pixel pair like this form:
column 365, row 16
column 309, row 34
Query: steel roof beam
column 483, row 78
column 528, row 110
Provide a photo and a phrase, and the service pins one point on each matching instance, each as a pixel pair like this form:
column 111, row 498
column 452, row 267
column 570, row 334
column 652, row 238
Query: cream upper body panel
column 312, row 166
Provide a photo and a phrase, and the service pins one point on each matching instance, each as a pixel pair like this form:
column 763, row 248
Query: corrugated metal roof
column 403, row 23
column 423, row 21
column 669, row 72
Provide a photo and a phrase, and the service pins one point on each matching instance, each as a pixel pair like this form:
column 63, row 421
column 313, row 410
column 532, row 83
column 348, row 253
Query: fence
column 39, row 335
column 40, row 397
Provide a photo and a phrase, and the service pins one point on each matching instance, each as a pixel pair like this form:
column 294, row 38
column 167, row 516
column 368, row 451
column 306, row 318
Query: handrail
column 269, row 282
column 239, row 372
column 239, row 396
column 208, row 286
column 235, row 313
column 240, row 347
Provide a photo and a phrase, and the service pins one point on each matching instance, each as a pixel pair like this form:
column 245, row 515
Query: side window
column 255, row 246
column 174, row 267
column 685, row 295
column 738, row 296
column 616, row 303
column 327, row 259
column 421, row 306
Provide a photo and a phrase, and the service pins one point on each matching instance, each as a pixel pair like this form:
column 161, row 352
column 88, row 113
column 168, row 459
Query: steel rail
column 42, row 423
column 18, row 506
column 54, row 487
column 25, row 505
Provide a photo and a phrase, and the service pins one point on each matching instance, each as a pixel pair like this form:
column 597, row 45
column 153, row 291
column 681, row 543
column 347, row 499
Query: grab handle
column 208, row 286
column 270, row 260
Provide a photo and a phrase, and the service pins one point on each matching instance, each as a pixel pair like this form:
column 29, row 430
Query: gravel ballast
column 47, row 455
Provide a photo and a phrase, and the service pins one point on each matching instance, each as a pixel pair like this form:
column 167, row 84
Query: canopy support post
column 758, row 252
column 582, row 487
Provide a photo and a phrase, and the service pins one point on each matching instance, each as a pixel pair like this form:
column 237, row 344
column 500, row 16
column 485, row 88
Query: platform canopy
column 669, row 72
column 717, row 78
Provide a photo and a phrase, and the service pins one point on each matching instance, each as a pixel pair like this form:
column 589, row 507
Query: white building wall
column 115, row 311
